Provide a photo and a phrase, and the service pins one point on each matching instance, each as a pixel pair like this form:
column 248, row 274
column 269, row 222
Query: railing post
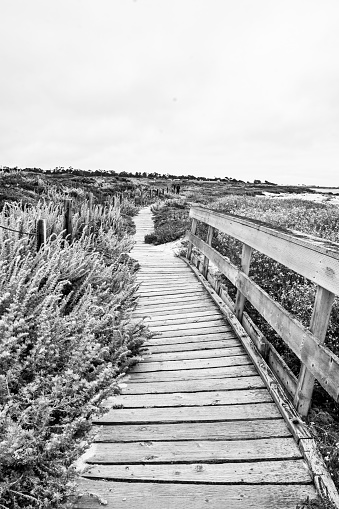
column 319, row 322
column 245, row 267
column 209, row 242
column 190, row 245
column 40, row 233
column 68, row 226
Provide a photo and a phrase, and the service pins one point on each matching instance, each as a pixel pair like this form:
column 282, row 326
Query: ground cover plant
column 170, row 219
column 66, row 335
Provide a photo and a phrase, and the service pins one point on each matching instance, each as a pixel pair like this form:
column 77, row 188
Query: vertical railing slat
column 190, row 245
column 245, row 267
column 319, row 323
column 209, row 242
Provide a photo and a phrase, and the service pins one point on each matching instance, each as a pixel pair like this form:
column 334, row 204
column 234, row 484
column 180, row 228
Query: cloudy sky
column 240, row 88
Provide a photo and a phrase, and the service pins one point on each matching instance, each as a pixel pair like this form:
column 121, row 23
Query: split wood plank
column 195, row 346
column 231, row 430
column 190, row 414
column 226, row 336
column 194, row 450
column 259, row 472
column 225, row 384
column 187, row 314
column 194, row 331
column 148, row 495
column 216, row 398
column 203, row 364
column 158, row 324
column 155, row 356
column 163, row 308
column 194, row 374
column 193, row 325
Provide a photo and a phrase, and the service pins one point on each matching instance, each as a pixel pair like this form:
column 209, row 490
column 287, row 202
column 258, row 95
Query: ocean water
column 325, row 190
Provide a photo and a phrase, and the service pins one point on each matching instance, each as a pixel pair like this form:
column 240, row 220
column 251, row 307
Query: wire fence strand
column 17, row 231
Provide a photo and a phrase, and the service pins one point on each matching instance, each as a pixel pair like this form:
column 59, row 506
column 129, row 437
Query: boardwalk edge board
column 321, row 477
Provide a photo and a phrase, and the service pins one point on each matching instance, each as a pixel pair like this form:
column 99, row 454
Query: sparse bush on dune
column 170, row 221
column 66, row 335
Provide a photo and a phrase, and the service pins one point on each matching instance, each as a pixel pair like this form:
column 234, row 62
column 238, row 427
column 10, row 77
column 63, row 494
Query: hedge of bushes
column 66, row 335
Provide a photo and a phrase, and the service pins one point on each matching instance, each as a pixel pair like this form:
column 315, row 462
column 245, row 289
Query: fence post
column 90, row 207
column 319, row 322
column 209, row 242
column 190, row 245
column 245, row 267
column 40, row 233
column 68, row 225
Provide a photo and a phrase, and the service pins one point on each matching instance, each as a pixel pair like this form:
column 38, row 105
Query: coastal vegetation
column 66, row 333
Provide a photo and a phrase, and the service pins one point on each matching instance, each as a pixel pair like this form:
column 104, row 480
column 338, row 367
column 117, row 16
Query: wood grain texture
column 193, row 450
column 224, row 430
column 193, row 374
column 215, row 398
column 118, row 495
column 190, row 414
column 203, row 364
column 261, row 472
column 156, row 356
column 194, row 331
column 227, row 336
column 200, row 346
column 225, row 384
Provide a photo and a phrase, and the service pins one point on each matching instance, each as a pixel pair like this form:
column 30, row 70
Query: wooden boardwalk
column 195, row 426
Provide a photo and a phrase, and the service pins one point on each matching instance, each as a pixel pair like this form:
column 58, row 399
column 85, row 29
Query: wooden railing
column 315, row 259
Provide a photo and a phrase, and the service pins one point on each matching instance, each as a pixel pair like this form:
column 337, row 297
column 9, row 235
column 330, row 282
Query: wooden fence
column 117, row 200
column 313, row 258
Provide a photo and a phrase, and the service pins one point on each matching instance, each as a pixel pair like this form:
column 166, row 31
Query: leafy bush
column 66, row 336
column 170, row 221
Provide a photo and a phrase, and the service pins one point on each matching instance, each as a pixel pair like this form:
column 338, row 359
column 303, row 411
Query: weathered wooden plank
column 196, row 345
column 231, row 430
column 202, row 364
column 191, row 331
column 224, row 384
column 171, row 299
column 229, row 335
column 177, row 315
column 186, row 320
column 194, row 374
column 148, row 495
column 189, row 414
column 182, row 282
column 170, row 291
column 315, row 258
column 216, row 398
column 191, row 325
column 154, row 356
column 193, row 450
column 163, row 308
column 259, row 472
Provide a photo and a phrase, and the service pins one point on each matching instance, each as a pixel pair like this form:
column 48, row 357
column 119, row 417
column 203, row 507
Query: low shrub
column 66, row 335
column 170, row 219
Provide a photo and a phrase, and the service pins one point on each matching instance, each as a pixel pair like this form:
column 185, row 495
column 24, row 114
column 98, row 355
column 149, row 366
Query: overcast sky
column 239, row 88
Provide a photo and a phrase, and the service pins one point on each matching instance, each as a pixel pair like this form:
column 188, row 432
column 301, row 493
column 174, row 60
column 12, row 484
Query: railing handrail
column 314, row 258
